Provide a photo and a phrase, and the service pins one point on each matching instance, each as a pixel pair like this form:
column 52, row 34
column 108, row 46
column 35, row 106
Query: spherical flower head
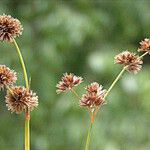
column 94, row 96
column 91, row 100
column 19, row 99
column 7, row 77
column 68, row 81
column 144, row 45
column 94, row 88
column 130, row 60
column 9, row 28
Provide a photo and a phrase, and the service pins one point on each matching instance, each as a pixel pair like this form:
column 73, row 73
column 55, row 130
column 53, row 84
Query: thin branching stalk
column 27, row 113
column 75, row 93
column 143, row 54
column 88, row 137
column 115, row 81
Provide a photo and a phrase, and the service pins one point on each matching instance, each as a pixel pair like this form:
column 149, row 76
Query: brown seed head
column 68, row 81
column 130, row 60
column 7, row 77
column 144, row 45
column 19, row 99
column 9, row 28
column 94, row 96
column 94, row 88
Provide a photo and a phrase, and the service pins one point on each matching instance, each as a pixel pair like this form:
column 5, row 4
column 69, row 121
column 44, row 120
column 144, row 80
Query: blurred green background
column 82, row 37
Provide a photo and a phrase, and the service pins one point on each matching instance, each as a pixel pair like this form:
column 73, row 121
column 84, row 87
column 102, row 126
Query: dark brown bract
column 130, row 60
column 19, row 99
column 9, row 28
column 144, row 45
column 94, row 96
column 68, row 81
column 7, row 77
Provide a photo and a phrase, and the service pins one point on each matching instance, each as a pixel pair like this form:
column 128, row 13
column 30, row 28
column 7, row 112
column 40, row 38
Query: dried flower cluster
column 130, row 60
column 144, row 46
column 94, row 96
column 67, row 82
column 7, row 77
column 9, row 28
column 19, row 99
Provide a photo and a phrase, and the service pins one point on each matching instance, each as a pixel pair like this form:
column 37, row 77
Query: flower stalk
column 27, row 131
column 22, row 63
column 115, row 81
column 143, row 54
column 88, row 136
column 27, row 113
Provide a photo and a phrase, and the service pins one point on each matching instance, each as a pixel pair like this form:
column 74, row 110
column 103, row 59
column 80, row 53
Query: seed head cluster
column 68, row 81
column 9, row 28
column 130, row 60
column 94, row 96
column 19, row 99
column 7, row 77
column 144, row 45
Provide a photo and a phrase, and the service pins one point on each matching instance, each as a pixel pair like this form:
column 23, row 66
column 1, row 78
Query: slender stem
column 27, row 113
column 27, row 131
column 115, row 81
column 144, row 54
column 22, row 63
column 75, row 93
column 88, row 137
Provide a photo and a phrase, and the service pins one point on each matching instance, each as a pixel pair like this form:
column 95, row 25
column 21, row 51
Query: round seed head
column 9, row 28
column 68, row 81
column 144, row 45
column 19, row 99
column 130, row 60
column 94, row 96
column 7, row 77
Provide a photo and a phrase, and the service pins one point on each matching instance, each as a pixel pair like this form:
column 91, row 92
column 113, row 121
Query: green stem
column 27, row 132
column 115, row 81
column 88, row 137
column 144, row 54
column 22, row 63
column 27, row 113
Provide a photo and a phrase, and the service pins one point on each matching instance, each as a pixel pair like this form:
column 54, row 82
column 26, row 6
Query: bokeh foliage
column 79, row 36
